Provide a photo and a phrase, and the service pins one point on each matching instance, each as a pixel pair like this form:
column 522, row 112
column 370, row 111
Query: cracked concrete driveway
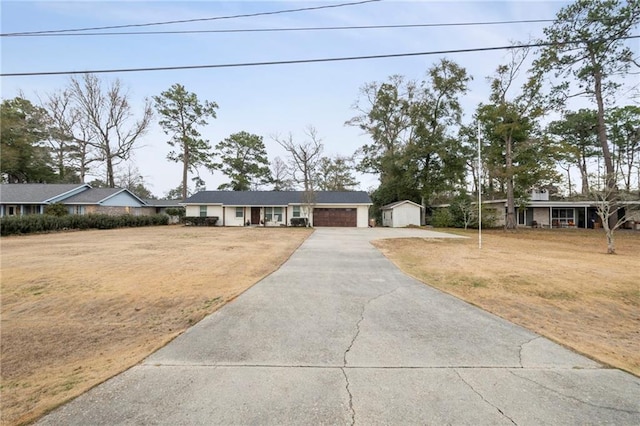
column 338, row 335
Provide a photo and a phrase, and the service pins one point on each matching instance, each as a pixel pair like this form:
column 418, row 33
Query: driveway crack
column 351, row 409
column 522, row 348
column 353, row 341
column 364, row 308
column 484, row 399
column 573, row 398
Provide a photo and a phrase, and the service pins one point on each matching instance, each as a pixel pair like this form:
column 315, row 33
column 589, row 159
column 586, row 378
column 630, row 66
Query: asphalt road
column 338, row 335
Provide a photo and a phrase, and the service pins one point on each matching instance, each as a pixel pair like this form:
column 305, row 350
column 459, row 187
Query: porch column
column 223, row 214
column 286, row 215
column 586, row 219
column 550, row 217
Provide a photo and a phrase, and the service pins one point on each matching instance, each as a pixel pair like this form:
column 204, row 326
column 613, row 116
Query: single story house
column 401, row 214
column 558, row 214
column 19, row 199
column 540, row 212
column 277, row 208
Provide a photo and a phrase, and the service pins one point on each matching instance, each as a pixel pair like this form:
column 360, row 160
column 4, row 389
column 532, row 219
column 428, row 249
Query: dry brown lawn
column 558, row 283
column 80, row 307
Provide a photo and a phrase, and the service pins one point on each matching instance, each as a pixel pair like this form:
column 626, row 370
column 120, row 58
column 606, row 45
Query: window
column 76, row 210
column 239, row 212
column 296, row 211
column 273, row 214
column 203, row 211
column 563, row 217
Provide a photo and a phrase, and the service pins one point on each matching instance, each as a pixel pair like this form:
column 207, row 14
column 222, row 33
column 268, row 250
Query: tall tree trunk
column 610, row 177
column 111, row 183
column 584, row 174
column 602, row 130
column 185, row 169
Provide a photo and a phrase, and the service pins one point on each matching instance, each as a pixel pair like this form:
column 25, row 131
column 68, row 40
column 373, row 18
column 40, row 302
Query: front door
column 255, row 215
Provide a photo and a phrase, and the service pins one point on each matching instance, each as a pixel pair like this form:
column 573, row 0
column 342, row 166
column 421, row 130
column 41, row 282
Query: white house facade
column 278, row 208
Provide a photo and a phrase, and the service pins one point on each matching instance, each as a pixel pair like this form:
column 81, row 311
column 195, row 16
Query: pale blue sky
column 262, row 100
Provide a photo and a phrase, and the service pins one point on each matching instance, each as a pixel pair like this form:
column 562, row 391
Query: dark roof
column 276, row 198
column 162, row 203
column 37, row 193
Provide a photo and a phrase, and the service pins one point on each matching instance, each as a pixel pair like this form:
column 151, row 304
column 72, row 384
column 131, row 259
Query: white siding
column 406, row 214
column 214, row 211
column 194, row 211
column 363, row 216
column 230, row 218
column 191, row 211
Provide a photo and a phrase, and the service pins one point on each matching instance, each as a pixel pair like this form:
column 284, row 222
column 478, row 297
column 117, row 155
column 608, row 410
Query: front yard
column 80, row 307
column 558, row 283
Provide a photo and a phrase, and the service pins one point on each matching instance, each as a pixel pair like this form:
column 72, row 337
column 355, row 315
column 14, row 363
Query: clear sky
column 267, row 100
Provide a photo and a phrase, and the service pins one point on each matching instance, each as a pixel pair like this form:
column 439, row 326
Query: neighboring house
column 113, row 201
column 23, row 199
column 559, row 214
column 277, row 208
column 401, row 214
column 540, row 212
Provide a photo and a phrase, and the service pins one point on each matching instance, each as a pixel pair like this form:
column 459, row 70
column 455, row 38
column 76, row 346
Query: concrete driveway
column 338, row 335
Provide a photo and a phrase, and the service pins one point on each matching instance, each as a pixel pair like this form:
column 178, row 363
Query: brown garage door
column 335, row 217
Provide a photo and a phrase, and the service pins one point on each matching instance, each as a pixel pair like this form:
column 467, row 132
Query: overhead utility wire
column 257, row 30
column 300, row 61
column 184, row 21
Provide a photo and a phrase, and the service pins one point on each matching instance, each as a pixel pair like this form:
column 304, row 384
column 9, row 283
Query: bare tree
column 609, row 206
column 304, row 158
column 106, row 115
column 69, row 137
column 280, row 175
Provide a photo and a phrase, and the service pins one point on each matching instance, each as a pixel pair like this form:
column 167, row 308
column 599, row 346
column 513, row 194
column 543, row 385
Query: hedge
column 298, row 221
column 11, row 225
column 200, row 221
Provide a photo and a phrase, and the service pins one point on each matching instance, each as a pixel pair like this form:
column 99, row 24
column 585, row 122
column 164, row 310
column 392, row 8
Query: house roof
column 98, row 195
column 399, row 203
column 276, row 198
column 35, row 193
column 162, row 203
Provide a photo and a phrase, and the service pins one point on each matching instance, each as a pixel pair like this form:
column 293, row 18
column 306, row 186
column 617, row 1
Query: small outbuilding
column 401, row 214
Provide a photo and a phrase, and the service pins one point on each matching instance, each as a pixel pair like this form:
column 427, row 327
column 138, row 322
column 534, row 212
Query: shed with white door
column 401, row 214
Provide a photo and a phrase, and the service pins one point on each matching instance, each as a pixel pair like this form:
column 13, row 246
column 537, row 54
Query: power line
column 298, row 61
column 183, row 21
column 255, row 30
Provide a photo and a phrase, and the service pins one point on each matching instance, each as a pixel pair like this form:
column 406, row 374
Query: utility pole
column 479, row 190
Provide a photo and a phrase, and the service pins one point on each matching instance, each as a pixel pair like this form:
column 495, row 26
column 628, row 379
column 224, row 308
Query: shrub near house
column 13, row 225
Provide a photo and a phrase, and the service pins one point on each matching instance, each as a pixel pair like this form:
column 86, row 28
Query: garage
column 335, row 217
